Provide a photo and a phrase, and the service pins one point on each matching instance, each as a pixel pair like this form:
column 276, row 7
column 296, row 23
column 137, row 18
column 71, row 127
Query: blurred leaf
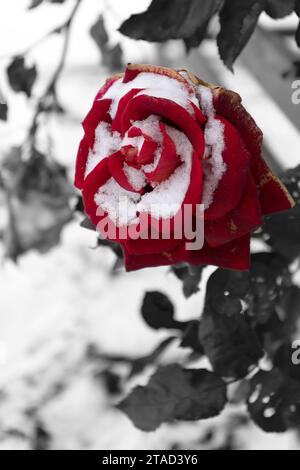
column 112, row 57
column 174, row 394
column 279, row 8
column 158, row 311
column 3, row 108
column 190, row 277
column 20, row 77
column 172, row 19
column 99, row 33
column 115, row 247
column 41, row 438
column 238, row 21
column 230, row 343
column 274, row 402
column 36, row 3
column 297, row 9
column 112, row 382
column 38, row 195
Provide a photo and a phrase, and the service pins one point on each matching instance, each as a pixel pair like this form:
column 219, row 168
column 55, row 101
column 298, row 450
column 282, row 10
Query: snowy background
column 58, row 308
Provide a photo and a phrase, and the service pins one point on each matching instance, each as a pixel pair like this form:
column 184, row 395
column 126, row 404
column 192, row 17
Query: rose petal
column 233, row 255
column 244, row 219
column 231, row 186
column 97, row 114
column 229, row 105
column 142, row 106
column 273, row 195
column 148, row 247
column 117, row 121
column 134, row 262
column 168, row 161
column 82, row 155
column 115, row 165
column 92, row 183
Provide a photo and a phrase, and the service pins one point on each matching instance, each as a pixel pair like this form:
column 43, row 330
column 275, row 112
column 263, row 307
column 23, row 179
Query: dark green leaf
column 174, row 394
column 268, row 275
column 21, row 77
column 158, row 311
column 190, row 338
column 279, row 8
column 281, row 231
column 283, row 360
column 86, row 223
column 230, row 343
column 171, row 19
column 190, row 277
column 225, row 289
column 238, row 21
column 274, row 401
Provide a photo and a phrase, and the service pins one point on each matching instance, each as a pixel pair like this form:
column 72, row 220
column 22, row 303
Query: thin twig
column 51, row 87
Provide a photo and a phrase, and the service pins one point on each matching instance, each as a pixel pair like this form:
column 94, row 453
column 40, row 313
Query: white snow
column 163, row 201
column 135, row 177
column 214, row 138
column 151, row 84
column 121, row 205
column 106, row 143
column 150, row 127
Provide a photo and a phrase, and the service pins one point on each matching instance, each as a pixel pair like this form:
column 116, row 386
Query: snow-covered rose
column 163, row 139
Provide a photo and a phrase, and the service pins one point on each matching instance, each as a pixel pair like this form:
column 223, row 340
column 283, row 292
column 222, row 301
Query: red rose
column 161, row 138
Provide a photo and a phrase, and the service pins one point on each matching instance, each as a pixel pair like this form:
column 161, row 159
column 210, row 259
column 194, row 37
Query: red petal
column 82, row 155
column 142, row 106
column 117, row 121
column 244, row 219
column 273, row 195
column 115, row 165
column 97, row 114
column 146, row 154
column 148, row 247
column 232, row 183
column 168, row 161
column 228, row 104
column 92, row 183
column 134, row 262
column 108, row 83
column 200, row 118
column 232, row 255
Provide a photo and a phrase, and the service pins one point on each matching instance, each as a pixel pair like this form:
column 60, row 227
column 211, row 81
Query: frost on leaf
column 274, row 401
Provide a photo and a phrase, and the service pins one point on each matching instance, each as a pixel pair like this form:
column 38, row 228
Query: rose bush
column 157, row 140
